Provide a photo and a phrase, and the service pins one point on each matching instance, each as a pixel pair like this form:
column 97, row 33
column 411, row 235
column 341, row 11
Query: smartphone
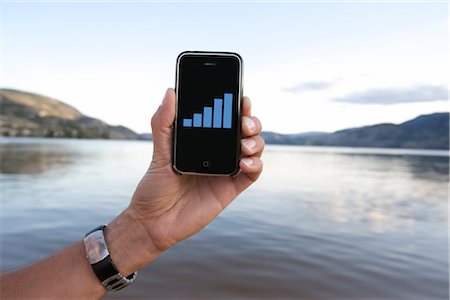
column 207, row 128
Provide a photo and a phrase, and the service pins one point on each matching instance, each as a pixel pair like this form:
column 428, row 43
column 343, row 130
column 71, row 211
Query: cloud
column 419, row 93
column 308, row 86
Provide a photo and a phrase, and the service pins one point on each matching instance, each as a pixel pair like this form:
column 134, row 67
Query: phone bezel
column 240, row 95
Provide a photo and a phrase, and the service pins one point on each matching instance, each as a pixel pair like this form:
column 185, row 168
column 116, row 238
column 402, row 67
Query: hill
column 424, row 132
column 32, row 115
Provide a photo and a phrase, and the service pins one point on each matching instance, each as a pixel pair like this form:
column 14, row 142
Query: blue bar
column 197, row 120
column 207, row 117
column 187, row 122
column 217, row 113
column 227, row 105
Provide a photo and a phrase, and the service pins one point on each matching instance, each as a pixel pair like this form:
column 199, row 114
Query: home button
column 206, row 164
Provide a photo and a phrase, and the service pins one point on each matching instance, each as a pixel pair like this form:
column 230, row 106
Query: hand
column 165, row 209
column 168, row 208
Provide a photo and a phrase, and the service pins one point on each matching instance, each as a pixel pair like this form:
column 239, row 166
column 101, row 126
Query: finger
column 246, row 107
column 250, row 126
column 165, row 115
column 252, row 145
column 162, row 122
column 251, row 168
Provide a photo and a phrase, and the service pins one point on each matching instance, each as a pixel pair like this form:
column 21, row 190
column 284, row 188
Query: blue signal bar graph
column 217, row 116
column 227, row 104
column 207, row 116
column 217, row 113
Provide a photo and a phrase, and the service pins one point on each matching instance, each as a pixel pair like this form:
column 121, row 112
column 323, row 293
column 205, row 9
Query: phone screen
column 207, row 127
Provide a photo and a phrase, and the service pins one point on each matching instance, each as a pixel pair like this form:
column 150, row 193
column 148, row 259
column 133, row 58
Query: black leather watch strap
column 101, row 262
column 107, row 273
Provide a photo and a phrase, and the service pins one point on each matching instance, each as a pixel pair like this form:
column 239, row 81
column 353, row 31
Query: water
column 321, row 223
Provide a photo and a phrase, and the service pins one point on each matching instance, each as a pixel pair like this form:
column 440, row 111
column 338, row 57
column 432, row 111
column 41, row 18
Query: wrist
column 129, row 244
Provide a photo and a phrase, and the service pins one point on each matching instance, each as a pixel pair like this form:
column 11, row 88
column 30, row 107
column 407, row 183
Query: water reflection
column 319, row 224
column 427, row 167
column 34, row 159
column 390, row 193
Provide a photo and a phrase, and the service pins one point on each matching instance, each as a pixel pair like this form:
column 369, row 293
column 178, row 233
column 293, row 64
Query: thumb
column 162, row 123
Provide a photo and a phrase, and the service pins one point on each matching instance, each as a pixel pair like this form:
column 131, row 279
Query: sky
column 308, row 66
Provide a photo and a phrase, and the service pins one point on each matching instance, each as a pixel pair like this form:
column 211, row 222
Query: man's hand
column 167, row 208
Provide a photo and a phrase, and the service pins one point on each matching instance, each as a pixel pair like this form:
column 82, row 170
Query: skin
column 165, row 209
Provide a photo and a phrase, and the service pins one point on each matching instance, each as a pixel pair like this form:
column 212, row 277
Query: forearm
column 68, row 274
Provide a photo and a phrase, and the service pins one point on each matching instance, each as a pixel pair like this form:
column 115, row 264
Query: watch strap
column 109, row 276
column 101, row 262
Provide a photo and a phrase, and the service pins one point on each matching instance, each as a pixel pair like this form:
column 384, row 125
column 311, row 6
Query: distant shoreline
column 304, row 148
column 25, row 114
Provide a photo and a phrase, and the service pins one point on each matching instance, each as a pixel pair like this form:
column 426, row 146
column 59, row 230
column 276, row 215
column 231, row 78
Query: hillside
column 424, row 132
column 26, row 114
column 32, row 115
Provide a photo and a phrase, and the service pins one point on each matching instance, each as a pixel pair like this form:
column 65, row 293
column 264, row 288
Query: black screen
column 207, row 129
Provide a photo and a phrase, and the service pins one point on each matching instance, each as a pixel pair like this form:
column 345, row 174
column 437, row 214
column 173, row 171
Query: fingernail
column 250, row 124
column 247, row 161
column 249, row 143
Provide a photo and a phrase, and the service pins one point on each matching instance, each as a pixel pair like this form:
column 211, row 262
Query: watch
column 98, row 255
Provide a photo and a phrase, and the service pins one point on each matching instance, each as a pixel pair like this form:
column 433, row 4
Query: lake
column 321, row 223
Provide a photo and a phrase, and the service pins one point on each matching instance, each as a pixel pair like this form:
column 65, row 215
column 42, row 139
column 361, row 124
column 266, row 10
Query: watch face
column 95, row 245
